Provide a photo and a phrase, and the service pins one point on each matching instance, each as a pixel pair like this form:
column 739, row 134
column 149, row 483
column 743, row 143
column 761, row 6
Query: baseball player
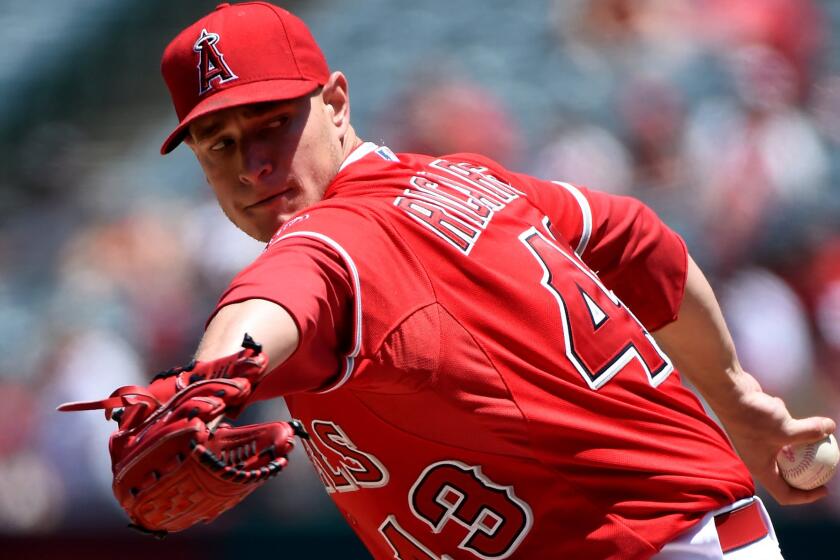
column 466, row 350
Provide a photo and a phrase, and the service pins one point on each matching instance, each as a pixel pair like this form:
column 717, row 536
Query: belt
column 740, row 527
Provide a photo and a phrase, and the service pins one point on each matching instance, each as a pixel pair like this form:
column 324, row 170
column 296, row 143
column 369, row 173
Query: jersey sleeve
column 631, row 249
column 310, row 281
column 633, row 252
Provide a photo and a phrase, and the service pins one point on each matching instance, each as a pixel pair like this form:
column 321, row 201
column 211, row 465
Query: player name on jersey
column 458, row 203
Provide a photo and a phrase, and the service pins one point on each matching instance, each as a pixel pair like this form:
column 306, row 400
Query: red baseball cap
column 238, row 54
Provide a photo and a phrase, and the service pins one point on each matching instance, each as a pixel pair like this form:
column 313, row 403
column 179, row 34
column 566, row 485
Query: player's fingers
column 784, row 493
column 806, row 430
column 787, row 495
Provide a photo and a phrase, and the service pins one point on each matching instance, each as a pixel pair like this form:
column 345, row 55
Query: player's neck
column 350, row 142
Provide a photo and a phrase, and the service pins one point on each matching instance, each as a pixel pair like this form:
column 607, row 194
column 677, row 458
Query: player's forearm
column 268, row 324
column 701, row 346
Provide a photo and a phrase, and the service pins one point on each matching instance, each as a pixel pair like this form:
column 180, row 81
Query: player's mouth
column 267, row 200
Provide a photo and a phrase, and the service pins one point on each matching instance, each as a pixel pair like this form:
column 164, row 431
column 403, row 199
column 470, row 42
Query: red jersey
column 474, row 380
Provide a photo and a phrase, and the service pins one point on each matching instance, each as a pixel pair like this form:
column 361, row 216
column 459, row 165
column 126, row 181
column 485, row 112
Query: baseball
column 807, row 466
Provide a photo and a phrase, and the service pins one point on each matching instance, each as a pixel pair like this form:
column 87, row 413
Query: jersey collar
column 382, row 151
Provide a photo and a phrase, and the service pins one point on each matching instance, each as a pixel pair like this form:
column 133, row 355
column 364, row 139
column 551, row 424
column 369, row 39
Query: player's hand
column 174, row 464
column 759, row 426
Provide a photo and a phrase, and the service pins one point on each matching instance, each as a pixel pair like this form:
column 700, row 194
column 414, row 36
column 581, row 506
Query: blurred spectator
column 770, row 328
column 218, row 249
column 634, row 34
column 88, row 365
column 653, row 117
column 587, row 155
column 825, row 114
column 820, row 282
column 137, row 266
column 793, row 29
column 31, row 499
column 448, row 116
column 748, row 165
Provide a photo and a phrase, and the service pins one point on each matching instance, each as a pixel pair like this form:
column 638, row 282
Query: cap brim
column 254, row 92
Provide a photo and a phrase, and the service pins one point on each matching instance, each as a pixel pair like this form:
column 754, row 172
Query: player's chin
column 263, row 223
column 259, row 223
column 261, row 230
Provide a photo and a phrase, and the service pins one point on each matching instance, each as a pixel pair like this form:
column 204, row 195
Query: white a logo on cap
column 211, row 63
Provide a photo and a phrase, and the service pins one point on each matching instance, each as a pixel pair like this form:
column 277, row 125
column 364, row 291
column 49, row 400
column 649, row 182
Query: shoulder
column 345, row 215
column 354, row 230
column 476, row 159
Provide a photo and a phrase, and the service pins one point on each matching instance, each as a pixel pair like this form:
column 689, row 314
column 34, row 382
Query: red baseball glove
column 173, row 464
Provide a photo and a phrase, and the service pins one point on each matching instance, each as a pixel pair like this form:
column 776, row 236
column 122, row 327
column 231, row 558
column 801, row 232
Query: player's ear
column 337, row 101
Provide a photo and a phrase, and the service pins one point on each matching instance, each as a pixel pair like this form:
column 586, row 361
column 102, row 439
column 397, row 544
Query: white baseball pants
column 703, row 542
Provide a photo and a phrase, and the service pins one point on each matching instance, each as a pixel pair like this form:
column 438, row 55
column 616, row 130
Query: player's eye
column 220, row 145
column 277, row 122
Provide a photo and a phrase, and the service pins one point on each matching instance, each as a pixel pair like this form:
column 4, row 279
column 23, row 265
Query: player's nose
column 256, row 163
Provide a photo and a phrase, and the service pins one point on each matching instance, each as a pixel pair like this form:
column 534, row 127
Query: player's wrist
column 735, row 401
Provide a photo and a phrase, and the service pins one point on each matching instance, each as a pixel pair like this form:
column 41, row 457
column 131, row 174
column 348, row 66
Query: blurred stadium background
column 724, row 115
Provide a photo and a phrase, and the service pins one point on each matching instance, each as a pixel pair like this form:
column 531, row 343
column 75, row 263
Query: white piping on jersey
column 366, row 148
column 586, row 212
column 350, row 358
